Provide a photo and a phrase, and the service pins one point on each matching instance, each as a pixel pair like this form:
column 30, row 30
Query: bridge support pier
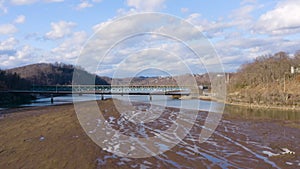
column 52, row 99
column 102, row 97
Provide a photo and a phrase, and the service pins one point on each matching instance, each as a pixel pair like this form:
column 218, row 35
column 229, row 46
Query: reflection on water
column 230, row 110
column 46, row 101
column 155, row 100
column 175, row 103
column 261, row 114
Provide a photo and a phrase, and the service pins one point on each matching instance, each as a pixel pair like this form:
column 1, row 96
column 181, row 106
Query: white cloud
column 101, row 25
column 142, row 5
column 3, row 8
column 23, row 2
column 184, row 10
column 151, row 58
column 8, row 44
column 60, row 29
column 18, row 56
column 211, row 29
column 134, row 39
column 13, row 54
column 243, row 12
column 240, row 19
column 50, row 1
column 84, row 4
column 20, row 19
column 10, row 53
column 239, row 49
column 25, row 52
column 235, row 40
column 27, row 2
column 284, row 19
column 70, row 48
column 6, row 29
column 248, row 2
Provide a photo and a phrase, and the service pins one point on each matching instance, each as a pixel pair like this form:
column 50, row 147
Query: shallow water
column 156, row 100
column 236, row 143
column 262, row 114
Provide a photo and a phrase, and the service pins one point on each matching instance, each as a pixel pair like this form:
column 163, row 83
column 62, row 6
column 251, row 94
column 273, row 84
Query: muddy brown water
column 51, row 137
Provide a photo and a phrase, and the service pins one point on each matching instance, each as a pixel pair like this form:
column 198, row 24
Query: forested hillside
column 25, row 77
column 12, row 81
column 52, row 74
column 267, row 80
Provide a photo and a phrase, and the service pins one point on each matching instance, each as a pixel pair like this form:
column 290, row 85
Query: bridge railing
column 108, row 88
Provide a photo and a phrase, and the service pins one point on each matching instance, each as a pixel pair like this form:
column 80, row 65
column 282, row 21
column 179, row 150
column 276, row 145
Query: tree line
column 267, row 80
column 12, row 81
column 265, row 69
column 24, row 78
column 54, row 74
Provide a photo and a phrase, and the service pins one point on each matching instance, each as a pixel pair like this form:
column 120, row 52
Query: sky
column 36, row 31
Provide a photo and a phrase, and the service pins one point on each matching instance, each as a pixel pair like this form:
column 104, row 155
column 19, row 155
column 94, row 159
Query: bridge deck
column 95, row 92
column 105, row 90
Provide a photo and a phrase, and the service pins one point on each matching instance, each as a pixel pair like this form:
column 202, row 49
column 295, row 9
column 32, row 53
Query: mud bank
column 260, row 106
column 51, row 137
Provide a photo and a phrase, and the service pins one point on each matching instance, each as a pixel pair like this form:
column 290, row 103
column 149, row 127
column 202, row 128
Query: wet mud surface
column 51, row 137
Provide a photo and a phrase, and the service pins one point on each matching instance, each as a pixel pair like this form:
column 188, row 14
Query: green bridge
column 108, row 89
column 174, row 91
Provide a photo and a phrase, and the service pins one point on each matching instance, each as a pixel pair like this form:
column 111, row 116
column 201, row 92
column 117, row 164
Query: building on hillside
column 295, row 69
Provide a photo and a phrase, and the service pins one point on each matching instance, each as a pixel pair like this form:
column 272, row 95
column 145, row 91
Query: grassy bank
column 262, row 106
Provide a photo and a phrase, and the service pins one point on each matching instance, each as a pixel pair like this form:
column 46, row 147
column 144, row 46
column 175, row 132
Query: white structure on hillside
column 295, row 69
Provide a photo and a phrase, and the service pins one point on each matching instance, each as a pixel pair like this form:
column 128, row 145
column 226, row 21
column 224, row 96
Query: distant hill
column 200, row 79
column 52, row 74
column 62, row 74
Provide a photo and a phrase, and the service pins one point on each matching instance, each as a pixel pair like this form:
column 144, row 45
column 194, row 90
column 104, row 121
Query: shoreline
column 257, row 106
column 245, row 105
column 11, row 110
column 253, row 106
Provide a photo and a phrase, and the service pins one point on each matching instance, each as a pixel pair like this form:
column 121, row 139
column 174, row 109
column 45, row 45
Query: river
column 232, row 111
column 156, row 100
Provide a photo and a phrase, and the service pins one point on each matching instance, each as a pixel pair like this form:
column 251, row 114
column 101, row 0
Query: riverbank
column 258, row 106
column 6, row 99
column 51, row 137
column 244, row 104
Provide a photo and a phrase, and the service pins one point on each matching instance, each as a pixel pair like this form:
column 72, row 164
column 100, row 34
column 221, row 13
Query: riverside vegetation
column 267, row 81
column 23, row 78
column 12, row 81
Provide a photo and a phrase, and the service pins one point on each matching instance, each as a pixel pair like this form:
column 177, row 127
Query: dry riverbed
column 51, row 137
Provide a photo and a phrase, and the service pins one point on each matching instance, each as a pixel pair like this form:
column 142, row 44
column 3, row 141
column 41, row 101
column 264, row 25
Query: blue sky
column 33, row 31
